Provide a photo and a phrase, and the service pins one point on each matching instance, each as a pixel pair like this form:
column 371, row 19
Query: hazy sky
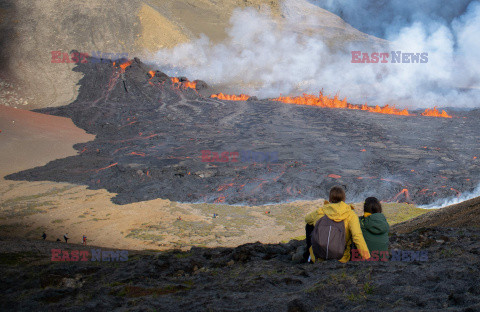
column 266, row 59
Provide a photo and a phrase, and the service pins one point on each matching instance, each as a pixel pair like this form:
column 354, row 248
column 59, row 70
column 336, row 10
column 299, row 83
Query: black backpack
column 328, row 239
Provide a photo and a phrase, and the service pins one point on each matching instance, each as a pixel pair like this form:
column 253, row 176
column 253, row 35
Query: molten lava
column 435, row 113
column 110, row 166
column 137, row 154
column 188, row 84
column 334, row 176
column 335, row 102
column 325, row 101
column 184, row 84
column 228, row 97
column 320, row 101
column 456, row 191
column 403, row 192
column 123, row 66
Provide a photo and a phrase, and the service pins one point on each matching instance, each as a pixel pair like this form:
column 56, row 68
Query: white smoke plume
column 442, row 203
column 264, row 58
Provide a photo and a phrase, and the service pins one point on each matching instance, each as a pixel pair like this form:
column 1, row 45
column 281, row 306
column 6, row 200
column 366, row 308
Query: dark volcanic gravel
column 150, row 134
column 252, row 277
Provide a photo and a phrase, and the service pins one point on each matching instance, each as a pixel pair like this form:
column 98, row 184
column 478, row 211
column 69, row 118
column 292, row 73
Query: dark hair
column 337, row 194
column 372, row 205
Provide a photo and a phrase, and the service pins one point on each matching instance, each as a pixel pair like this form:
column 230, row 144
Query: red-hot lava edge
column 325, row 101
column 151, row 130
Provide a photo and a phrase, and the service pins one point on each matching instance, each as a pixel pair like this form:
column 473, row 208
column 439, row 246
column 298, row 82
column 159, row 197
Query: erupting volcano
column 151, row 130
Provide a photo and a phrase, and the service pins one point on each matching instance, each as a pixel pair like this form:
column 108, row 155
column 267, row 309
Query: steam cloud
column 265, row 58
column 453, row 200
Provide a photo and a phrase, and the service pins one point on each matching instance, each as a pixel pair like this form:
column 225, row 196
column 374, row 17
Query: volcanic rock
column 159, row 128
column 464, row 214
column 209, row 277
column 200, row 85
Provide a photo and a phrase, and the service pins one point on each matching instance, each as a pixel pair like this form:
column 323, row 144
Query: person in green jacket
column 337, row 210
column 374, row 226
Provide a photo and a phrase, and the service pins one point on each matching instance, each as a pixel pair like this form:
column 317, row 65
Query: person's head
column 372, row 205
column 337, row 194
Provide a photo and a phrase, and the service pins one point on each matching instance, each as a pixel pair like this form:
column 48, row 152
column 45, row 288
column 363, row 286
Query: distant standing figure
column 44, row 236
column 65, row 237
column 84, row 240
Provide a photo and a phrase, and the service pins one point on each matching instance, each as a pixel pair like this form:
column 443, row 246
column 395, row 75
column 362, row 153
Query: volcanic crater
column 151, row 130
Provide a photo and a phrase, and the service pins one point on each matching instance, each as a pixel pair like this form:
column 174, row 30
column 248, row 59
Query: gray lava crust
column 150, row 133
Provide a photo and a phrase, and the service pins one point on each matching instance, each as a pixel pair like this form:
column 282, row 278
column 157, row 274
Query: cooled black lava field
column 150, row 133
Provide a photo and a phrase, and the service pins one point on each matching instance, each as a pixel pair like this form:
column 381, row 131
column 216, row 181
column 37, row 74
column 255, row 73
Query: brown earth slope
column 29, row 139
column 464, row 214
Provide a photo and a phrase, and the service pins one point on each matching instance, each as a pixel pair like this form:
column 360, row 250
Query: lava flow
column 325, row 101
column 148, row 124
column 228, row 97
column 406, row 195
column 123, row 65
column 184, row 84
column 335, row 102
column 435, row 113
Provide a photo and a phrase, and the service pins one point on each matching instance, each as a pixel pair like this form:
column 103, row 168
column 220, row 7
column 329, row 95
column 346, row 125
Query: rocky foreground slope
column 458, row 215
column 251, row 277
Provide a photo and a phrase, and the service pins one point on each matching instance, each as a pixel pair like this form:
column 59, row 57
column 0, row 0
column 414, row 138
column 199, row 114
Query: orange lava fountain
column 335, row 102
column 184, row 84
column 325, row 101
column 435, row 113
column 228, row 97
column 123, row 66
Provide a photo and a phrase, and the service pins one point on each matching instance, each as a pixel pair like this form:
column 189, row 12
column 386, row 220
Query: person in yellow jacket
column 337, row 210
